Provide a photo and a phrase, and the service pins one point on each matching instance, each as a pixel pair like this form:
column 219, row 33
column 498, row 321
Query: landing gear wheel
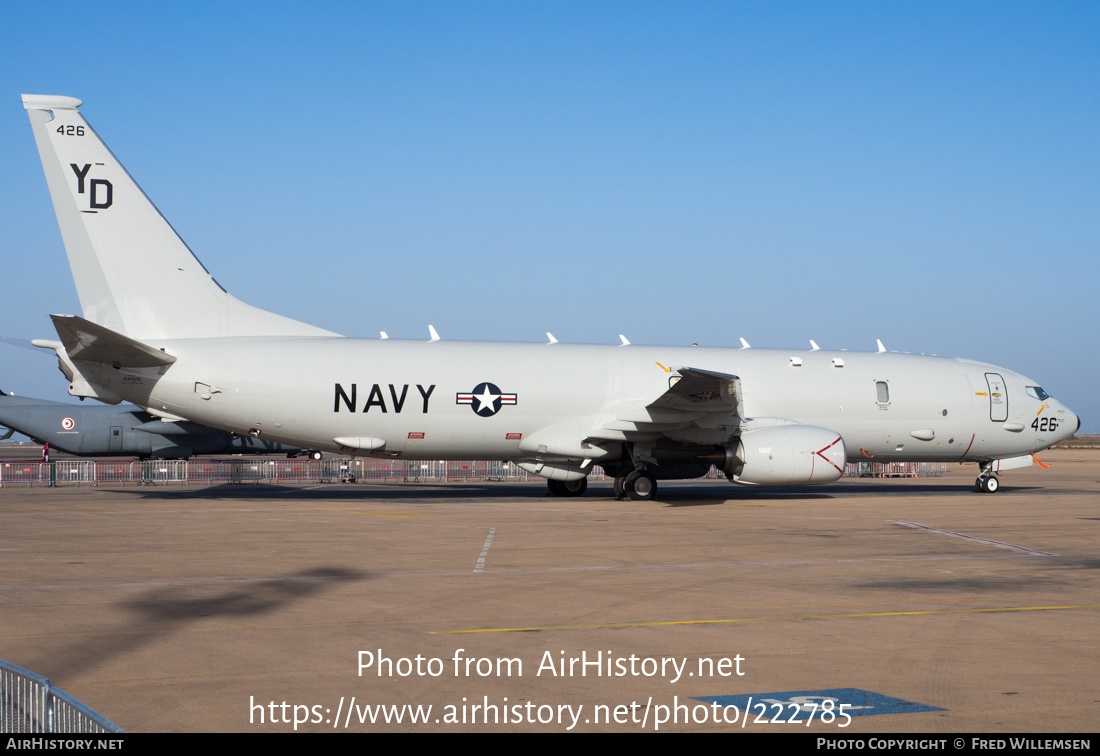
column 567, row 487
column 978, row 484
column 639, row 486
column 990, row 484
column 574, row 487
column 315, row 455
column 620, row 487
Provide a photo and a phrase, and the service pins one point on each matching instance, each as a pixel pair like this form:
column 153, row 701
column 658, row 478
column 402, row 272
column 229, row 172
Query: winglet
column 624, row 340
column 744, row 344
column 813, row 346
column 433, row 334
column 383, row 334
column 881, row 348
column 551, row 337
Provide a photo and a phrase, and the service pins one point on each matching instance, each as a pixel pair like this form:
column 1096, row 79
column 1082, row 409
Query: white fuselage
column 310, row 391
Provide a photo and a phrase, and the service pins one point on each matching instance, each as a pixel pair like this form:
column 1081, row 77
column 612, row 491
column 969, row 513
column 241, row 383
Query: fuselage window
column 882, row 389
column 1037, row 393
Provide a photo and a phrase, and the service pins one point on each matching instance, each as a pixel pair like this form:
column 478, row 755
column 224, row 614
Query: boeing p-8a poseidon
column 160, row 332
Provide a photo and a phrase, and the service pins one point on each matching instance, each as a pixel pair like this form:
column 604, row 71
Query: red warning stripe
column 972, row 437
column 819, row 453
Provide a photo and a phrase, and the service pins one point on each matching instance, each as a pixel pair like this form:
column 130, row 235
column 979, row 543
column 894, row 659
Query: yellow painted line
column 1041, row 410
column 615, row 625
column 662, row 367
column 980, row 393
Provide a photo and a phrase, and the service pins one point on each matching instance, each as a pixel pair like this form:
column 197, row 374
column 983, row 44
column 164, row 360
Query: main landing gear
column 567, row 487
column 987, row 483
column 636, row 485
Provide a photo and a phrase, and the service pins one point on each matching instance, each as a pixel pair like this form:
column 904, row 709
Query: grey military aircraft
column 158, row 330
column 126, row 431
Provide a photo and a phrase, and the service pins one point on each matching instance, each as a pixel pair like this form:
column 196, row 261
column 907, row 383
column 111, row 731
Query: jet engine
column 785, row 455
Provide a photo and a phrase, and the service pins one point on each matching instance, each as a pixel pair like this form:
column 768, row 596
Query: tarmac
column 922, row 605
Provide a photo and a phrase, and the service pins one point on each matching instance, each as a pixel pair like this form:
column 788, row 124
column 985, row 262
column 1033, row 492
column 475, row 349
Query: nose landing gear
column 987, row 483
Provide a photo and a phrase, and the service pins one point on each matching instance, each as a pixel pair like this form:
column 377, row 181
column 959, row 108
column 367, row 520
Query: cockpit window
column 1037, row 393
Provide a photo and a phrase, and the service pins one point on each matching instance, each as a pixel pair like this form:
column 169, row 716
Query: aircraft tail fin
column 133, row 273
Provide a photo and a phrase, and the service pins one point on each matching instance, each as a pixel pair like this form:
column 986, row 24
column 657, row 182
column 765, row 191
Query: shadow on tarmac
column 677, row 494
column 166, row 609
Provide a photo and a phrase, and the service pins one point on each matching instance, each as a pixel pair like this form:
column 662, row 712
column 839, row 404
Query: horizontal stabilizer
column 89, row 342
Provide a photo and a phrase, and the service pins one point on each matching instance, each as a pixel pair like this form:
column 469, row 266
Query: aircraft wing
column 700, row 406
column 701, row 391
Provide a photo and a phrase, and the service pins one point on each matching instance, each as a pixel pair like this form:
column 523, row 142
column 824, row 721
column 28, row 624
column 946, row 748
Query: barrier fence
column 199, row 471
column 895, row 469
column 28, row 703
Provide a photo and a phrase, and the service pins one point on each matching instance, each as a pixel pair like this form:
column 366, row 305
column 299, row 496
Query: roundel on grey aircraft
column 486, row 399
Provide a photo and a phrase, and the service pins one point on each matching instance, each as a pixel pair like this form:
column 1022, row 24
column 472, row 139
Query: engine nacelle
column 787, row 455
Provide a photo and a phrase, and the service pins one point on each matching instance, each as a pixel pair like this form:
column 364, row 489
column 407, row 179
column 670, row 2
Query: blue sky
column 924, row 173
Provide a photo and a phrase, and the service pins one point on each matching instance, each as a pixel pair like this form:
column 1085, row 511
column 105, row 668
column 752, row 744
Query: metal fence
column 28, row 703
column 258, row 470
column 895, row 469
column 187, row 472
